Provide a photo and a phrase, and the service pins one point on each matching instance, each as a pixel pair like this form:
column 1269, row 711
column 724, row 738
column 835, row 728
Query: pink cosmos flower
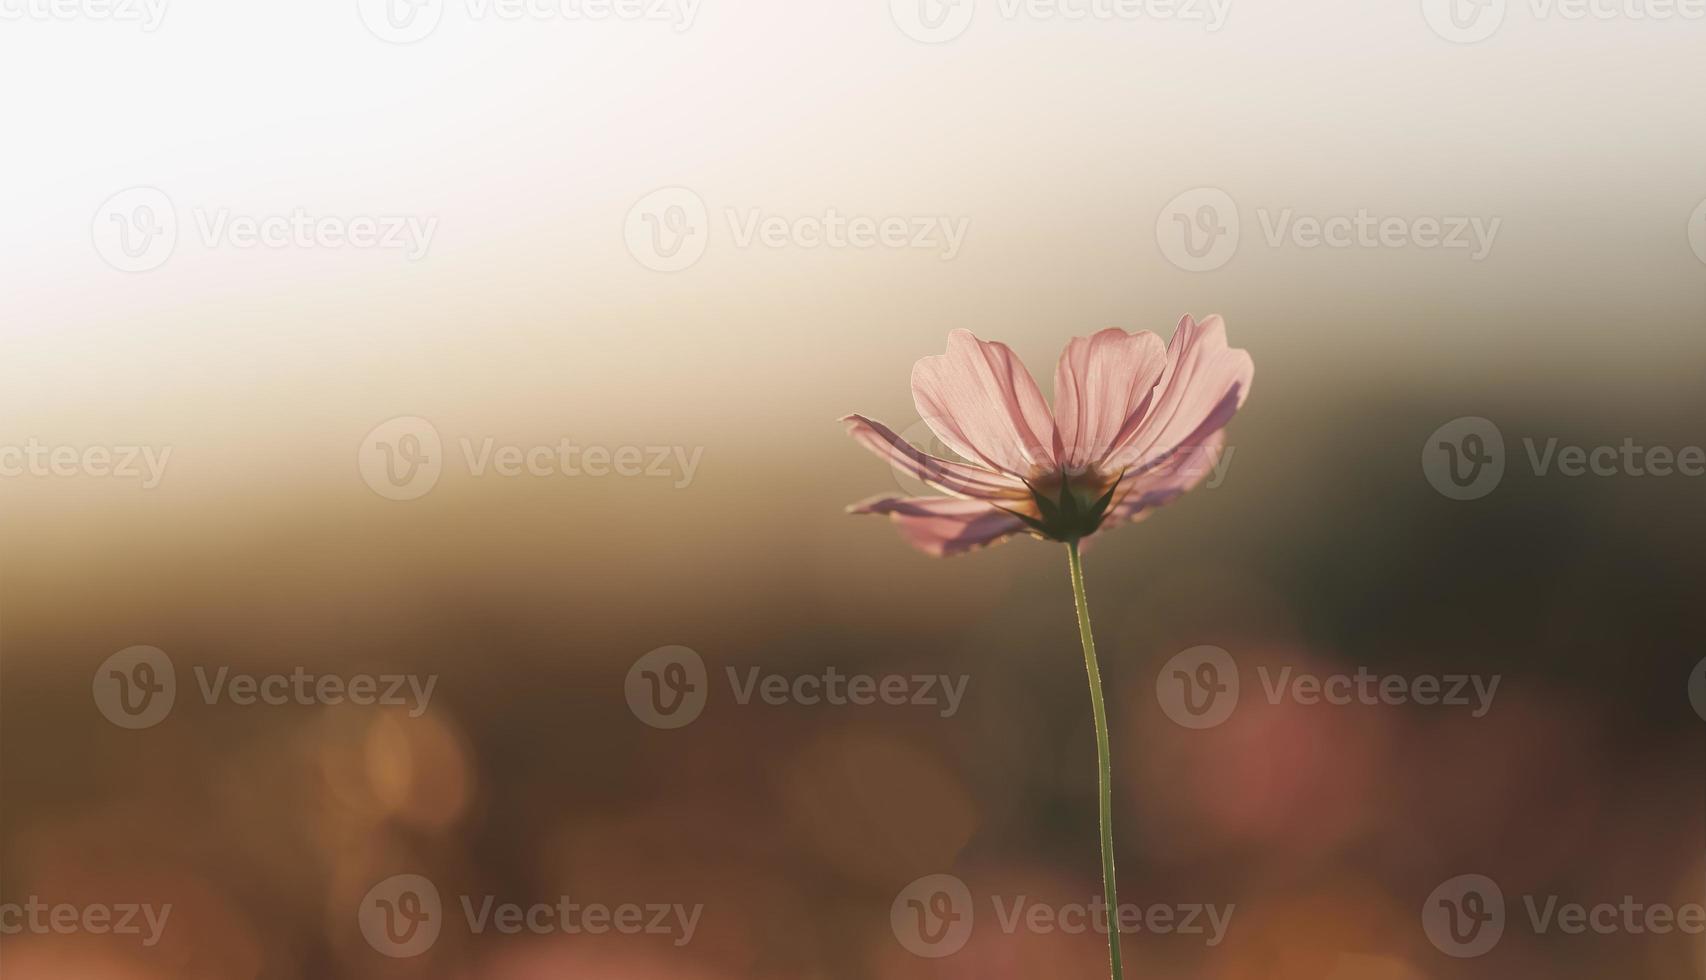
column 1135, row 424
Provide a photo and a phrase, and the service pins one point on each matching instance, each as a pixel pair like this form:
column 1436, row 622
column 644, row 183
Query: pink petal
column 1203, row 387
column 960, row 479
column 944, row 526
column 1101, row 385
column 983, row 404
column 1166, row 480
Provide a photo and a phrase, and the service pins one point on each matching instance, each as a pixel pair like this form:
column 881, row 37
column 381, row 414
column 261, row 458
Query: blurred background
column 559, row 297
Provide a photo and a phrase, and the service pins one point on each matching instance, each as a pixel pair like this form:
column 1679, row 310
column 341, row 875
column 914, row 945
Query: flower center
column 1069, row 507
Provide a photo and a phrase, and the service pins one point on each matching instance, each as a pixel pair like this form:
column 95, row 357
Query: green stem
column 1104, row 762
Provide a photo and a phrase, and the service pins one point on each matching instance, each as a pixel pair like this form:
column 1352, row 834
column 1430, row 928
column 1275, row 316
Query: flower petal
column 1203, row 387
column 1168, row 479
column 948, row 476
column 944, row 526
column 1101, row 385
column 979, row 399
